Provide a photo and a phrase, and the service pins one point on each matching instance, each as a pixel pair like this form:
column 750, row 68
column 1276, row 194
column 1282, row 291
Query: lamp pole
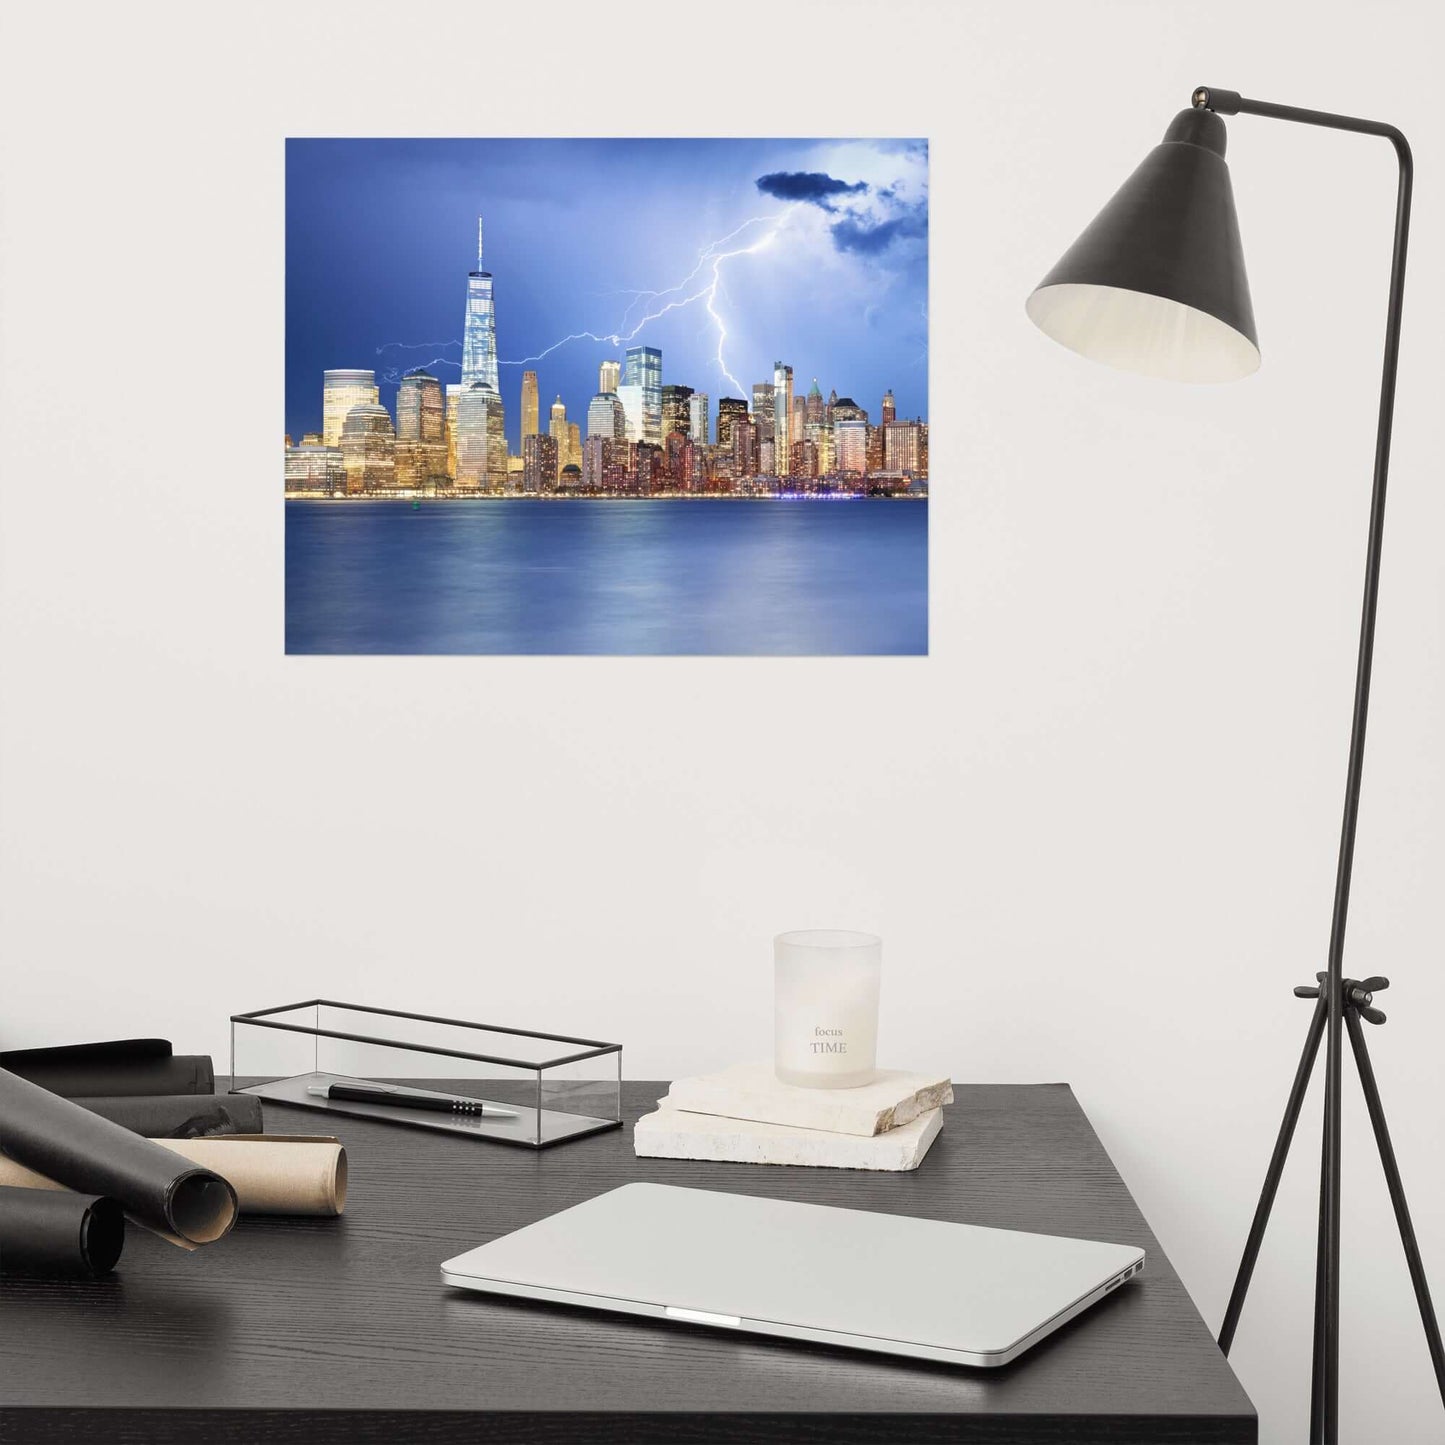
column 1325, row 1411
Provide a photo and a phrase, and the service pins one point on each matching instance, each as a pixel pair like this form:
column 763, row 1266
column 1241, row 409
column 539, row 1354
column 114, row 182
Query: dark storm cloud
column 816, row 187
column 871, row 238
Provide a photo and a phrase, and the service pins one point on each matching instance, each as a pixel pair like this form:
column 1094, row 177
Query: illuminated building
column 762, row 410
column 420, row 409
column 800, row 420
column 630, row 397
column 529, row 404
column 574, row 447
column 850, row 444
column 596, row 455
column 697, row 417
column 745, row 448
column 767, row 458
column 676, row 413
column 340, row 391
column 814, row 405
column 453, row 395
column 782, row 413
column 479, row 338
column 848, row 410
column 569, row 480
column 314, row 467
column 368, row 449
column 832, row 402
column 890, row 411
column 677, row 456
column 730, row 411
column 609, row 376
column 904, row 448
column 605, row 417
column 421, row 448
column 557, row 430
column 481, row 440
column 804, row 460
column 642, row 368
column 648, row 465
column 875, row 448
column 539, row 464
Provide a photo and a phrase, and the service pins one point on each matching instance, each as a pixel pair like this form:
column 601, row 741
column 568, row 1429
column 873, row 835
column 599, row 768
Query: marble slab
column 752, row 1091
column 672, row 1133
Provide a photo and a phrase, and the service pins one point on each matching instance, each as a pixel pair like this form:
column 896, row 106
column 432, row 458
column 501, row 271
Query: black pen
column 405, row 1098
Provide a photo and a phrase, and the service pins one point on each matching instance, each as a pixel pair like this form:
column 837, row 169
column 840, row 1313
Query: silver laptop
column 918, row 1287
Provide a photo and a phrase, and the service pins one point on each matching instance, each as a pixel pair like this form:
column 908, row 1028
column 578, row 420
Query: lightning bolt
column 709, row 266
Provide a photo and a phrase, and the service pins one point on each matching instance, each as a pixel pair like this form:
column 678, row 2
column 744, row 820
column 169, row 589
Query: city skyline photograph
column 479, row 330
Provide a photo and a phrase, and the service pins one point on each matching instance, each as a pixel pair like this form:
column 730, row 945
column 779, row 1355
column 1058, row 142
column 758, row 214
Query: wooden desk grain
column 321, row 1331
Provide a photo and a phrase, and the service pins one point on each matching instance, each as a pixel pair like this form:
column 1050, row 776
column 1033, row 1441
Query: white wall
column 1098, row 827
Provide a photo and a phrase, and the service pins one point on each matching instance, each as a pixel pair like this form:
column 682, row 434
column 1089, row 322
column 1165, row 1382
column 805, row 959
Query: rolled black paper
column 91, row 1155
column 181, row 1116
column 120, row 1066
column 47, row 1231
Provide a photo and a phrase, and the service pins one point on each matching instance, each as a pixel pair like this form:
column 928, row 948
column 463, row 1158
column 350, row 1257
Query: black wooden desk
column 315, row 1331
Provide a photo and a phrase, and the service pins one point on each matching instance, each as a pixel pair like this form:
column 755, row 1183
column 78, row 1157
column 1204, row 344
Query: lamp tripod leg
column 1317, row 1356
column 1272, row 1175
column 1397, row 1196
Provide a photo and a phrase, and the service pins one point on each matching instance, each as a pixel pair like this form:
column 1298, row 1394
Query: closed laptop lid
column 926, row 1282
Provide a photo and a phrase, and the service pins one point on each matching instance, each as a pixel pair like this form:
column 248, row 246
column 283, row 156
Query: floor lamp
column 1156, row 285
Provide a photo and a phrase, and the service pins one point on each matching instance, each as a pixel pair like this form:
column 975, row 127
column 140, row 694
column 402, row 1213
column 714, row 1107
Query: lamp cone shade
column 1156, row 284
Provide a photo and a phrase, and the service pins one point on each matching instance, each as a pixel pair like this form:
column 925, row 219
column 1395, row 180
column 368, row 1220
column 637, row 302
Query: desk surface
column 338, row 1330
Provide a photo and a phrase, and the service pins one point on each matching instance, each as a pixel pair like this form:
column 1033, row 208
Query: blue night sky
column 832, row 279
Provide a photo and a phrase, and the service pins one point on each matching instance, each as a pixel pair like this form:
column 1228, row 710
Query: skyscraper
column 850, row 440
column 643, row 368
column 557, row 430
column 814, row 411
column 421, row 448
column 529, row 404
column 762, row 410
column 782, row 414
column 697, row 419
column 890, row 412
column 630, row 399
column 605, row 418
column 574, row 447
column 453, row 396
column 539, row 464
column 479, row 339
column 730, row 411
column 368, row 449
column 609, row 376
column 676, row 414
column 340, row 391
column 420, row 410
column 903, row 448
column 481, row 440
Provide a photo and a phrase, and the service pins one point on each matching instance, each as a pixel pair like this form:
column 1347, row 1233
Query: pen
column 409, row 1099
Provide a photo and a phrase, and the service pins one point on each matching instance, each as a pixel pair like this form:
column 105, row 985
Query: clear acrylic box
column 551, row 1087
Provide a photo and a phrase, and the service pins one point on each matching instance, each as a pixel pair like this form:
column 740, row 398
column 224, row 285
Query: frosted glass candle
column 825, row 984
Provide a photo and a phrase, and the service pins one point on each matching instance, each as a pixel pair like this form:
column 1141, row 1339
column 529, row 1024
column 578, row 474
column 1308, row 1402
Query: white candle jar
column 826, row 984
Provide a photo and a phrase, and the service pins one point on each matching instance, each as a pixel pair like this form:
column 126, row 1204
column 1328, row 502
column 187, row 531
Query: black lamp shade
column 1156, row 285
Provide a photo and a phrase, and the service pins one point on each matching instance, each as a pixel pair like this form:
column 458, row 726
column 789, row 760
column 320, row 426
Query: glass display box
column 481, row 1081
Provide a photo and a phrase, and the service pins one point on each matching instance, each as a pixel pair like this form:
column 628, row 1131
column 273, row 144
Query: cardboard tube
column 79, row 1150
column 271, row 1173
column 275, row 1173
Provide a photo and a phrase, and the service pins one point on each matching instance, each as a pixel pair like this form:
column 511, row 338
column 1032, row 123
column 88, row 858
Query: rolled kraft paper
column 59, row 1234
column 275, row 1173
column 80, row 1150
column 181, row 1116
column 271, row 1173
column 121, row 1066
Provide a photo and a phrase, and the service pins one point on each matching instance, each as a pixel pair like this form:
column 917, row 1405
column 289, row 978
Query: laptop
column 923, row 1288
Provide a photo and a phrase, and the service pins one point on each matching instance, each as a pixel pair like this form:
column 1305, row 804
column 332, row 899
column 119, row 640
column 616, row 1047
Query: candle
column 826, row 998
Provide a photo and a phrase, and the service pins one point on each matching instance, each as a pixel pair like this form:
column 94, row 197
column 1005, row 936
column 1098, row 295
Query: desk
column 318, row 1331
